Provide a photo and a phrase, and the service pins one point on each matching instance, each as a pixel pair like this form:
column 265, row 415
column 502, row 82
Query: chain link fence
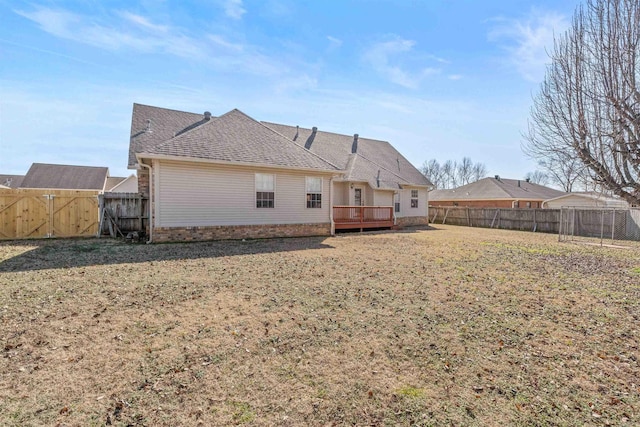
column 603, row 226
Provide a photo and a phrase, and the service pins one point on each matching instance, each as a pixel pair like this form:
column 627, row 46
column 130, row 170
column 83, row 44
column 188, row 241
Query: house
column 495, row 192
column 585, row 200
column 11, row 181
column 234, row 177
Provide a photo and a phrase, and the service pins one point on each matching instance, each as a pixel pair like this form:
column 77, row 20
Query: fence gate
column 31, row 214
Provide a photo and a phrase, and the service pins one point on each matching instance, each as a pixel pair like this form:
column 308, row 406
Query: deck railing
column 361, row 217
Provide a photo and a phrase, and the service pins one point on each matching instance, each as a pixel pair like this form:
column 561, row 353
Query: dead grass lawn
column 450, row 326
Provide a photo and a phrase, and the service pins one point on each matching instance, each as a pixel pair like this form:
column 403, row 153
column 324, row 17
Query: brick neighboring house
column 495, row 192
column 234, row 177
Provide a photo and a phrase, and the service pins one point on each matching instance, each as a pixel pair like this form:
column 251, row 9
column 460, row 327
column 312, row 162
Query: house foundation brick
column 231, row 232
column 409, row 221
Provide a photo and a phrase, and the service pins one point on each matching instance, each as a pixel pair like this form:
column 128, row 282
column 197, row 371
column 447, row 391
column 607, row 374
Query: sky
column 438, row 79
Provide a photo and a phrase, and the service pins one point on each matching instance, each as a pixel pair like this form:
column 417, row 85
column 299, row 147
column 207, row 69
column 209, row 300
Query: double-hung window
column 265, row 190
column 414, row 198
column 314, row 192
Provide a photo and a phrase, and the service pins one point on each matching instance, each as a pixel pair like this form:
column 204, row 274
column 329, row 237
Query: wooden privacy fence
column 543, row 220
column 30, row 214
column 121, row 213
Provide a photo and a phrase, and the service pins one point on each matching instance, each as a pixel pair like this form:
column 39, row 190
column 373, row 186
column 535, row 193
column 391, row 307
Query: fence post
column 601, row 226
column 613, row 226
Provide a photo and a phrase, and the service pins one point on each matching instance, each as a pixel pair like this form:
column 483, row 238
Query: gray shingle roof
column 492, row 189
column 372, row 155
column 11, row 181
column 236, row 137
column 151, row 126
column 68, row 177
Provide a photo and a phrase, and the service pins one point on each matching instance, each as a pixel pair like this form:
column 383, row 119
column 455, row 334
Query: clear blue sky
column 438, row 79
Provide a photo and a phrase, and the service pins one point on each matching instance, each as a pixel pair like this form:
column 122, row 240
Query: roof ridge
column 325, row 131
column 493, row 181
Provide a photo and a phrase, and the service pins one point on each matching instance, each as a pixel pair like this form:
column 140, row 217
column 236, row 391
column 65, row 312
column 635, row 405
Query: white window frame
column 416, row 198
column 309, row 193
column 259, row 189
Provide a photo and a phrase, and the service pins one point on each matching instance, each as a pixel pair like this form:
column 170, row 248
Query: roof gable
column 69, row 177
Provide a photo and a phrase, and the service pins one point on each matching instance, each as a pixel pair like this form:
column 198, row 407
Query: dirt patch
column 451, row 326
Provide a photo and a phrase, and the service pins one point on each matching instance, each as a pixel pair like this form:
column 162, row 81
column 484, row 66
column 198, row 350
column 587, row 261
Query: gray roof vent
column 207, row 115
column 354, row 146
column 297, row 133
column 497, row 177
column 148, row 129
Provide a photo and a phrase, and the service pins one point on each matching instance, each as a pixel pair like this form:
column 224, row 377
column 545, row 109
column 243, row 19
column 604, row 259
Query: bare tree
column 451, row 174
column 479, row 171
column 564, row 171
column 588, row 107
column 537, row 177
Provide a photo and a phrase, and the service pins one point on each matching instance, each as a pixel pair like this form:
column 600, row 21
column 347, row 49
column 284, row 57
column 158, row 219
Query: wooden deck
column 354, row 217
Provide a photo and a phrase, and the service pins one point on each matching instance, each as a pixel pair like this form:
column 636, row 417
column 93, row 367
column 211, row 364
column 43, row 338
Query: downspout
column 393, row 203
column 333, row 224
column 150, row 200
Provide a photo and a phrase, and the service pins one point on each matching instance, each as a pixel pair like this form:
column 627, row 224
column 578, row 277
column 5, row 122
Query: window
column 265, row 190
column 314, row 192
column 528, row 204
column 414, row 198
column 396, row 202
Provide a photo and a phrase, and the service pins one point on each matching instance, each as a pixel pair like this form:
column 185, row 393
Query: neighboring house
column 65, row 177
column 585, row 200
column 116, row 184
column 234, row 177
column 11, row 181
column 495, row 192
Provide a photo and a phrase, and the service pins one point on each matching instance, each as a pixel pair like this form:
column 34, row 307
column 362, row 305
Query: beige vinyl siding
column 367, row 192
column 405, row 203
column 340, row 193
column 382, row 198
column 193, row 194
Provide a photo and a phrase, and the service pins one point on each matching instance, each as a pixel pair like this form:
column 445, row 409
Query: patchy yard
column 451, row 326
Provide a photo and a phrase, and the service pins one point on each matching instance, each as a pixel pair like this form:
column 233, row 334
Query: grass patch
column 455, row 326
